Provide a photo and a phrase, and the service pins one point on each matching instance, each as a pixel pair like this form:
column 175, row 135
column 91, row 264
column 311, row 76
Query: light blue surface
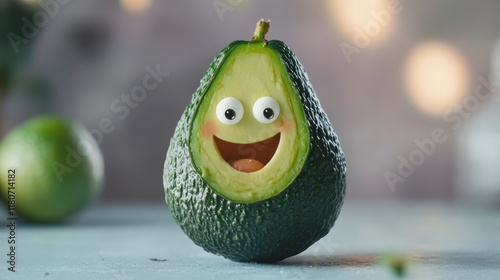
column 118, row 242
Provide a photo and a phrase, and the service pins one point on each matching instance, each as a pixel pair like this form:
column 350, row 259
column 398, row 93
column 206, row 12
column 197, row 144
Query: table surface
column 132, row 242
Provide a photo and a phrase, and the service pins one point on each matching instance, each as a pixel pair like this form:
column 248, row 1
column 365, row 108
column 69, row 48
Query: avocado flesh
column 251, row 71
column 275, row 228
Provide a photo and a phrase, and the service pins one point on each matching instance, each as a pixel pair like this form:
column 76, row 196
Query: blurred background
column 410, row 86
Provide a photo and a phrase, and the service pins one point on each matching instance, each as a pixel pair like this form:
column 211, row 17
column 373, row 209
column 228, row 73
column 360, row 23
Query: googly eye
column 266, row 109
column 229, row 111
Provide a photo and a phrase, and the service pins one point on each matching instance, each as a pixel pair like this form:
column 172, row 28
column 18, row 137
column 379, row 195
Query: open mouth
column 248, row 157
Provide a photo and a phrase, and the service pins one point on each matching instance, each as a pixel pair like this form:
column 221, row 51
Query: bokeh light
column 436, row 77
column 374, row 20
column 135, row 6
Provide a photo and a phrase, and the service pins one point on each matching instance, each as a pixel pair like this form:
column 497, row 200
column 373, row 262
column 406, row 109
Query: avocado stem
column 261, row 30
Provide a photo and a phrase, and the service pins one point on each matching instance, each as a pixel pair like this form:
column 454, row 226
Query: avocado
column 254, row 171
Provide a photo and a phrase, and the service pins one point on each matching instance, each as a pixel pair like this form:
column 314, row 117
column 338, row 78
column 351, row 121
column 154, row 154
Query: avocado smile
column 249, row 157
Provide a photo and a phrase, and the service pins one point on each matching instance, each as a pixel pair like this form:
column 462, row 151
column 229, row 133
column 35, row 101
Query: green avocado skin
column 269, row 230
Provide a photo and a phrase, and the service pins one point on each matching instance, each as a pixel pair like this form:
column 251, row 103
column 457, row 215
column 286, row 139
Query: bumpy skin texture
column 269, row 230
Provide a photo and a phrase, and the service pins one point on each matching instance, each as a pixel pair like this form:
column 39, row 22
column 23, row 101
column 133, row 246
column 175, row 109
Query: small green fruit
column 56, row 168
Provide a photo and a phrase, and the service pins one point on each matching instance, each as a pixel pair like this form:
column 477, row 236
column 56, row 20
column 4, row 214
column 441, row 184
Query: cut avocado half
column 250, row 138
column 254, row 171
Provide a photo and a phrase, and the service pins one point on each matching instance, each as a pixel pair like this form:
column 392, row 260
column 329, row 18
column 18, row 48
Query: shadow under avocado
column 478, row 260
column 354, row 260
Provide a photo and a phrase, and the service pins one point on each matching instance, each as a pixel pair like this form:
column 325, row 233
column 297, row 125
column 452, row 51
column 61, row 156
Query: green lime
column 50, row 168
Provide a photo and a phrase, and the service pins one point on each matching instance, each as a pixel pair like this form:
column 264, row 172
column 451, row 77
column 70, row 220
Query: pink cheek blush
column 208, row 129
column 286, row 125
